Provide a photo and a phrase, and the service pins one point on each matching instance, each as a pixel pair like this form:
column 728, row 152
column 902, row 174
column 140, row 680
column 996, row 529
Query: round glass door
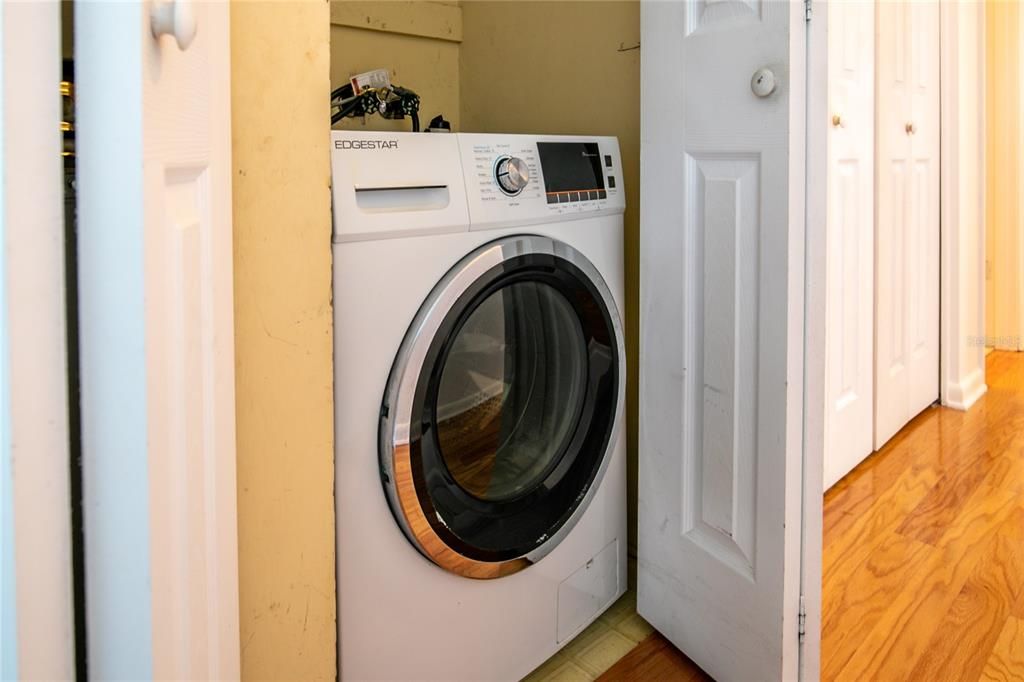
column 501, row 406
column 510, row 390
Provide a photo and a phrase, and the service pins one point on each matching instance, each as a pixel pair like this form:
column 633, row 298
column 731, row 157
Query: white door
column 155, row 268
column 850, row 333
column 907, row 220
column 721, row 357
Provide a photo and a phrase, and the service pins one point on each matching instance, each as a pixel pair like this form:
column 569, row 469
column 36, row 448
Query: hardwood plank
column 858, row 491
column 900, row 636
column 654, row 659
column 1007, row 660
column 962, row 449
column 944, row 502
column 960, row 647
column 852, row 608
column 849, row 548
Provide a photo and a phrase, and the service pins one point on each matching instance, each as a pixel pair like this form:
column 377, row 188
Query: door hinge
column 807, row 10
column 801, row 619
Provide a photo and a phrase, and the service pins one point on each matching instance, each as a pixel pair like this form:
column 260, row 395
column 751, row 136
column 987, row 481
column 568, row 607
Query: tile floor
column 601, row 645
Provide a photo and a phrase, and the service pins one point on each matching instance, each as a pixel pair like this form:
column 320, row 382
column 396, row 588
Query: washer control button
column 512, row 175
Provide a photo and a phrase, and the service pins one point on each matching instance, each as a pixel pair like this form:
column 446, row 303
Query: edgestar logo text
column 366, row 144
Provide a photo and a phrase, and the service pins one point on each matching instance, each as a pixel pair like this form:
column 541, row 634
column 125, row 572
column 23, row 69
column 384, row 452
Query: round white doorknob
column 763, row 82
column 176, row 18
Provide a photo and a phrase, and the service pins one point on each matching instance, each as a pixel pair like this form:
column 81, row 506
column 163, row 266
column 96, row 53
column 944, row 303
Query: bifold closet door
column 724, row 568
column 907, row 219
column 849, row 334
column 155, row 273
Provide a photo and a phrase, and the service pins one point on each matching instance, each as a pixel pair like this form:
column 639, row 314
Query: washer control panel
column 502, row 171
column 517, row 178
column 388, row 185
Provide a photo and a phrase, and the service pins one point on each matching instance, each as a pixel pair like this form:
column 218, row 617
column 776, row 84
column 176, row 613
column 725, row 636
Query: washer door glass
column 501, row 406
column 511, row 389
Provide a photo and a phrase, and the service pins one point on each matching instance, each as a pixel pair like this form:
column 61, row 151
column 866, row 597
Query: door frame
column 36, row 617
column 962, row 204
column 815, row 343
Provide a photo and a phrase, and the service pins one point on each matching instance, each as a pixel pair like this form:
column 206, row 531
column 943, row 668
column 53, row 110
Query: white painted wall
column 962, row 323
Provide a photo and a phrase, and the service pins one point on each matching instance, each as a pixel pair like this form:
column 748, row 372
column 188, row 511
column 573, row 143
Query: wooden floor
column 924, row 553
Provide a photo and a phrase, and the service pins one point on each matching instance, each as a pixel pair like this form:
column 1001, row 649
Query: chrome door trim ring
column 398, row 405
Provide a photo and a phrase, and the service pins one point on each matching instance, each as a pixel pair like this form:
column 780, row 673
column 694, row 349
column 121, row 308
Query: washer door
column 501, row 406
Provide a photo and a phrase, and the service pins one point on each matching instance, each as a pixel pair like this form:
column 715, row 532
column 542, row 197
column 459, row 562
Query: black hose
column 344, row 92
column 345, row 111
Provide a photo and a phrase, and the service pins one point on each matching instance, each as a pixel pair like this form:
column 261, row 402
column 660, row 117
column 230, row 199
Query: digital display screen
column 572, row 171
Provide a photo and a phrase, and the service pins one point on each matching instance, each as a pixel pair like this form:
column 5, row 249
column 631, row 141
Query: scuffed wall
column 418, row 42
column 280, row 83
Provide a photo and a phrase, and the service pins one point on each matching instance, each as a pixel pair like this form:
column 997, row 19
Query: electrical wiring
column 394, row 102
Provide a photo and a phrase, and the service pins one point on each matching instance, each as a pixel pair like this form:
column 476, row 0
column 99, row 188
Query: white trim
column 963, row 395
column 815, row 317
column 8, row 598
column 112, row 340
column 805, row 350
column 962, row 259
column 35, row 419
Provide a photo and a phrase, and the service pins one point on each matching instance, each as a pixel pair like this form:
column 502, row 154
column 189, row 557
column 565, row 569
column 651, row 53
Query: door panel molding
column 851, row 241
column 907, row 226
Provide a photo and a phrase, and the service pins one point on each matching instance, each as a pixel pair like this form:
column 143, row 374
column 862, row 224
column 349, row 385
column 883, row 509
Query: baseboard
column 961, row 395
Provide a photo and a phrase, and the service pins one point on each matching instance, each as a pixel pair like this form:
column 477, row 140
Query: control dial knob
column 512, row 175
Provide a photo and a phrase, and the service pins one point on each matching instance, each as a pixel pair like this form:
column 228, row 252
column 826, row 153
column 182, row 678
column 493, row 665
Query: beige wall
column 418, row 42
column 574, row 69
column 279, row 88
column 1004, row 220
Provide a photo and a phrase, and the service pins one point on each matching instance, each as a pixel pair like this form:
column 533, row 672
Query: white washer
column 479, row 388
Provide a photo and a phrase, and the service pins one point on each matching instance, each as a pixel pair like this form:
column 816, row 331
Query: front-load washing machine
column 479, row 399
